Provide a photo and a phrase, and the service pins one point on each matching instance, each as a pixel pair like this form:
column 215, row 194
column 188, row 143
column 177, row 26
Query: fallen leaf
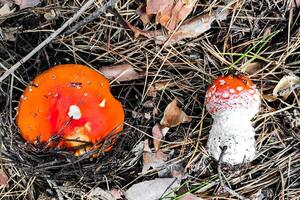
column 294, row 4
column 189, row 29
column 120, row 73
column 253, row 67
column 3, row 179
column 162, row 9
column 154, row 189
column 158, row 133
column 190, row 196
column 169, row 13
column 98, row 193
column 5, row 10
column 269, row 98
column 152, row 160
column 174, row 116
column 27, row 3
column 159, row 86
column 141, row 12
column 286, row 86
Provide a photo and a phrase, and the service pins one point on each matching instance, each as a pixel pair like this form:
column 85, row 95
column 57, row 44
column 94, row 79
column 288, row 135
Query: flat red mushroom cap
column 231, row 92
column 71, row 102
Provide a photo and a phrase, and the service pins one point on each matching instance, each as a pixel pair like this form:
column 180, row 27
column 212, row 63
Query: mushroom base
column 236, row 132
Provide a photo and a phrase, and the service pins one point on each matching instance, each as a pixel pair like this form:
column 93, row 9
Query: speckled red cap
column 232, row 92
column 72, row 102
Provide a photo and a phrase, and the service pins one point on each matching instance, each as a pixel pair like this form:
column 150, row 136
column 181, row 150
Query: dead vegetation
column 260, row 38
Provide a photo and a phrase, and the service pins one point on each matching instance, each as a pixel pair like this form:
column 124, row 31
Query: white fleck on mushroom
column 222, row 82
column 74, row 112
column 239, row 88
column 102, row 103
column 232, row 114
column 231, row 90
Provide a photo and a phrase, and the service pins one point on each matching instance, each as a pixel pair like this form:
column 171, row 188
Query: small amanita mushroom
column 71, row 103
column 232, row 100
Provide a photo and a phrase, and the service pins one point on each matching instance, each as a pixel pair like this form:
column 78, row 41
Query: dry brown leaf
column 162, row 9
column 174, row 116
column 269, row 98
column 141, row 12
column 286, row 86
column 169, row 13
column 5, row 10
column 3, row 179
column 154, row 189
column 189, row 29
column 120, row 73
column 253, row 67
column 152, row 160
column 27, row 3
column 158, row 133
column 180, row 11
column 294, row 4
column 159, row 86
column 190, row 196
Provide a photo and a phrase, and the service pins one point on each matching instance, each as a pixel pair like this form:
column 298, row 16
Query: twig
column 47, row 41
column 227, row 189
column 92, row 16
column 54, row 186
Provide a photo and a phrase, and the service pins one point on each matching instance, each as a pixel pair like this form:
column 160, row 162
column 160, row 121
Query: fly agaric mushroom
column 71, row 102
column 232, row 100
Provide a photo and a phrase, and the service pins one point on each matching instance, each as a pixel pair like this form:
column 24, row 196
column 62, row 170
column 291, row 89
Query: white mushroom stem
column 233, row 129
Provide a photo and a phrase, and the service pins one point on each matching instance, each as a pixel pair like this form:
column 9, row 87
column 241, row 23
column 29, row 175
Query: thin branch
column 47, row 41
column 92, row 17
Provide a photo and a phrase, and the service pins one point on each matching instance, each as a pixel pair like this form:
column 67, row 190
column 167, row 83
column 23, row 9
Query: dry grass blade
column 182, row 70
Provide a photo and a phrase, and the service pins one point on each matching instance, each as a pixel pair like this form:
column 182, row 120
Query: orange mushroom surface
column 71, row 102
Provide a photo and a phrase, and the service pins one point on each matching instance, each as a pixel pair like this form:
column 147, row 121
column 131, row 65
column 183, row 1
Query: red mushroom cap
column 71, row 102
column 231, row 92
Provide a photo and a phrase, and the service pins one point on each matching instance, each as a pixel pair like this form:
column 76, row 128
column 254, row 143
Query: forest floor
column 258, row 38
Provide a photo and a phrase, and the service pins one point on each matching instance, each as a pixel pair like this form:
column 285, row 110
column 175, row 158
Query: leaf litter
column 123, row 72
column 278, row 156
column 190, row 28
column 153, row 189
column 3, row 179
